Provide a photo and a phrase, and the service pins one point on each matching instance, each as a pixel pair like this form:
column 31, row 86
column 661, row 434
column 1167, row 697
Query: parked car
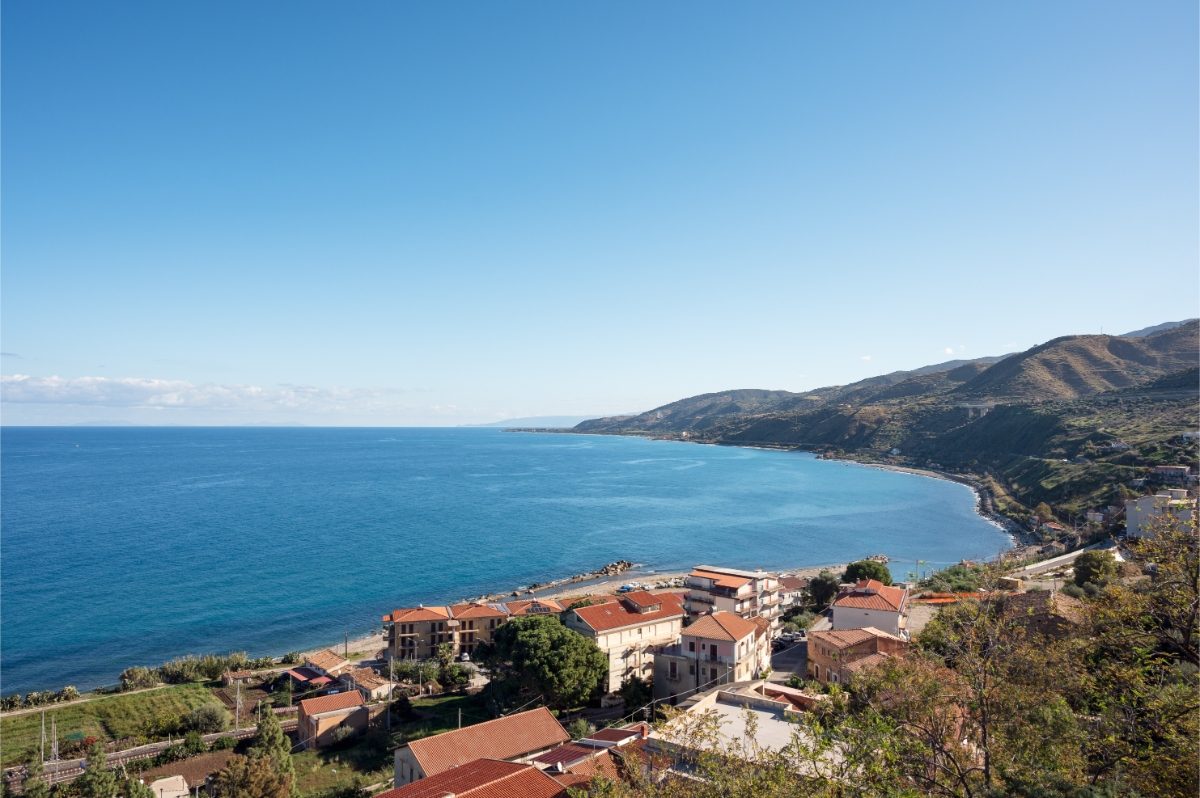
column 464, row 657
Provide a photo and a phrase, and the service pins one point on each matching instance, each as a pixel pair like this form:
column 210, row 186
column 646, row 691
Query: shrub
column 223, row 744
column 206, row 719
column 291, row 658
column 137, row 677
column 194, row 743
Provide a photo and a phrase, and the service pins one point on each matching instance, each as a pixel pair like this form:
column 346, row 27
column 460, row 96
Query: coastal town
column 594, row 680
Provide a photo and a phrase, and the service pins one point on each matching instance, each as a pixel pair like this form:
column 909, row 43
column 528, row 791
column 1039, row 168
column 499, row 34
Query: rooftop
column 846, row 638
column 327, row 660
column 871, row 594
column 617, row 614
column 721, row 625
column 415, row 614
column 366, row 678
column 533, row 607
column 331, row 703
column 504, row 738
column 722, row 578
column 482, row 778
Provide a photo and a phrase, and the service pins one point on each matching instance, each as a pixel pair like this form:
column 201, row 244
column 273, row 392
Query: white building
column 747, row 594
column 1141, row 514
column 871, row 603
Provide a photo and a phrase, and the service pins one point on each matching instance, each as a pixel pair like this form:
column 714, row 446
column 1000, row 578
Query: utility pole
column 237, row 713
column 346, row 647
column 460, row 717
column 43, row 736
column 53, row 739
column 391, row 689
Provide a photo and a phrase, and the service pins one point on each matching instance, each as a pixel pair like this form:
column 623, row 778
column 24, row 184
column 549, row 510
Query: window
column 672, row 671
column 691, row 645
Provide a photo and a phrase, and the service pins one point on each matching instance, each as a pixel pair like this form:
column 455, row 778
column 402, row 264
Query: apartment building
column 416, row 632
column 720, row 648
column 747, row 594
column 630, row 630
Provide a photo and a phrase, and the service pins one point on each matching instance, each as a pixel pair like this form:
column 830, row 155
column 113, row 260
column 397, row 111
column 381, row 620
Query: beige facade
column 715, row 649
column 630, row 631
column 319, row 719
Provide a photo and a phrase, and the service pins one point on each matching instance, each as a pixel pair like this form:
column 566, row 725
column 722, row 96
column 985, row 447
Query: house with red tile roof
column 630, row 630
column 871, row 603
column 483, row 778
column 749, row 594
column 714, row 649
column 514, row 738
column 327, row 662
column 837, row 655
column 368, row 682
column 319, row 719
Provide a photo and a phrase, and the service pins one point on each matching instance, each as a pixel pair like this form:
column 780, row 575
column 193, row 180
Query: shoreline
column 1018, row 535
column 368, row 640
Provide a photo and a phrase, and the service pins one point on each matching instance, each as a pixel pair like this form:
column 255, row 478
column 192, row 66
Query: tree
column 133, row 787
column 251, row 777
column 867, row 569
column 1044, row 512
column 34, row 785
column 635, row 692
column 1095, row 567
column 271, row 744
column 206, row 718
column 580, row 728
column 535, row 655
column 822, row 588
column 97, row 780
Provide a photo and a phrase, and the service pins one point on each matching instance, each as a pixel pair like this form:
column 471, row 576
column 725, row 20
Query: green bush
column 137, row 678
column 206, row 719
column 223, row 744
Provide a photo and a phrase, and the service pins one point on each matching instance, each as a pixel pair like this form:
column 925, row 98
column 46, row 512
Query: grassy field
column 368, row 759
column 109, row 718
column 436, row 715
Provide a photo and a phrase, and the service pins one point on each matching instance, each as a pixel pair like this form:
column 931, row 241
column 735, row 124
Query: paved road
column 1060, row 561
column 791, row 660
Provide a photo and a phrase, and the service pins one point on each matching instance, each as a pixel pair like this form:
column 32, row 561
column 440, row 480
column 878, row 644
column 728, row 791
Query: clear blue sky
column 440, row 213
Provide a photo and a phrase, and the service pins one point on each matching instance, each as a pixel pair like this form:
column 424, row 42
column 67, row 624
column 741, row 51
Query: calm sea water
column 124, row 546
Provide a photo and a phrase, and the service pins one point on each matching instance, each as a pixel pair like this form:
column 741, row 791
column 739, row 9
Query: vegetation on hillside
column 1071, row 423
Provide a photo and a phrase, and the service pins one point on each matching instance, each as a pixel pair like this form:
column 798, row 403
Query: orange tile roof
column 412, row 614
column 366, row 678
column 475, row 611
column 581, row 773
column 720, row 625
column 482, row 778
column 793, row 583
column 522, row 607
column 616, row 614
column 870, row 594
column 331, row 703
column 642, row 598
column 326, row 660
column 869, row 661
column 845, row 638
column 721, row 580
column 503, row 738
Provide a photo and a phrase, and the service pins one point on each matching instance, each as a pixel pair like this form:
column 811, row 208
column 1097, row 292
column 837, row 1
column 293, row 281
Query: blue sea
column 127, row 546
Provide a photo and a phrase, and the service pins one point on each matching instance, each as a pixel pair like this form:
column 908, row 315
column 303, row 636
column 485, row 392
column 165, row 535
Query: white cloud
column 949, row 350
column 159, row 394
column 866, row 358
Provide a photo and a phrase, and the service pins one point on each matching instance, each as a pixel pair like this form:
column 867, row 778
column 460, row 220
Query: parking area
column 789, row 660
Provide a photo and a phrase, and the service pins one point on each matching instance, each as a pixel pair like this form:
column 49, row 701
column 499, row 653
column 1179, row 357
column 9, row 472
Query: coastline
column 984, row 507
